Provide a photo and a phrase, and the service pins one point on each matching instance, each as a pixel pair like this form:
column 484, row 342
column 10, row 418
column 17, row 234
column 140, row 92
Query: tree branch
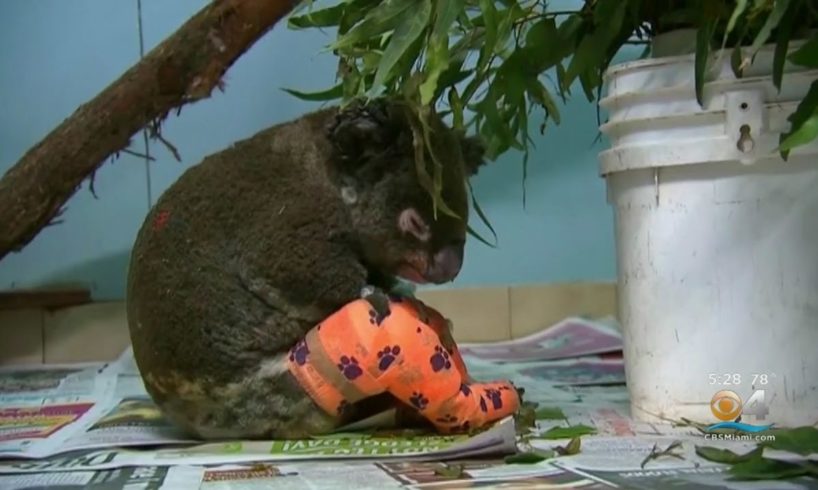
column 182, row 69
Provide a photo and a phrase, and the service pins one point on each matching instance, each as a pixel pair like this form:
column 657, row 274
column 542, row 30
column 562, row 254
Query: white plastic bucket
column 717, row 248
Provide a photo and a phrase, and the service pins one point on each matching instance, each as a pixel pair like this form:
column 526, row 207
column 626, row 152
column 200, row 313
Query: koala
column 255, row 245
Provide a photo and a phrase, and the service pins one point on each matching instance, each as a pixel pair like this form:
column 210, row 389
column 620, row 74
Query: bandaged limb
column 357, row 353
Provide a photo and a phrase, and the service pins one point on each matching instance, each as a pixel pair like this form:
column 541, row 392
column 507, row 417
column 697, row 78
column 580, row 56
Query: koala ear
column 473, row 153
column 361, row 130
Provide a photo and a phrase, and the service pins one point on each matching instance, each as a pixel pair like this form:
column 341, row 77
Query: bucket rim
column 635, row 65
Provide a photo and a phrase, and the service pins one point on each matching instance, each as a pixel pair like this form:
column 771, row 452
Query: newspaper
column 135, row 478
column 499, row 439
column 393, row 475
column 54, row 409
column 570, row 338
column 94, row 417
column 591, row 370
column 94, row 426
column 42, row 407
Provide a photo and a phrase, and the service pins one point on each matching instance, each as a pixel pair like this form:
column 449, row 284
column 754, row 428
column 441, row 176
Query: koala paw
column 379, row 302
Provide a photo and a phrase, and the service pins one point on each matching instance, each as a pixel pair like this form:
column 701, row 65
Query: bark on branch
column 184, row 68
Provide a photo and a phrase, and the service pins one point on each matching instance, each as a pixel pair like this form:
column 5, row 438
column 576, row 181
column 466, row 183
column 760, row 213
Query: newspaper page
column 133, row 478
column 500, row 439
column 286, row 476
column 485, row 474
column 42, row 406
column 572, row 337
column 691, row 478
column 130, row 417
column 576, row 372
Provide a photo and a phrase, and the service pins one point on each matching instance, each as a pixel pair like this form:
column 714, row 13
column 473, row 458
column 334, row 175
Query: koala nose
column 446, row 264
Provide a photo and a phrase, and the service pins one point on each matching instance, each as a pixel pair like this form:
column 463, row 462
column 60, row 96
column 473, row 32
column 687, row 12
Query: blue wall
column 55, row 55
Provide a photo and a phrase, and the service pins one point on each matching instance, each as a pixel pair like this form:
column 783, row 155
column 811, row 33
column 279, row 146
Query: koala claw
column 378, row 299
column 367, row 291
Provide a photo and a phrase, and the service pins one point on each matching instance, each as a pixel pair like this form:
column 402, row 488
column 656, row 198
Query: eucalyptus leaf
column 456, row 105
column 437, row 61
column 704, row 37
column 411, row 25
column 800, row 440
column 327, row 17
column 779, row 9
column 573, row 447
column 736, row 61
column 385, row 17
column 335, row 92
column 480, row 212
column 803, row 122
column 725, row 456
column 445, row 14
column 588, row 81
column 550, row 413
column 592, row 50
column 491, row 20
column 540, row 94
column 767, row 469
column 354, row 12
column 529, row 457
column 476, row 235
column 738, row 11
column 782, row 43
column 807, row 54
column 438, row 52
column 567, row 432
column 451, row 472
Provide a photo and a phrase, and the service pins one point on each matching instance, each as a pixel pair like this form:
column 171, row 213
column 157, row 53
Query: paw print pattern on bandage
column 447, row 419
column 299, row 353
column 495, row 397
column 377, row 319
column 418, row 400
column 483, row 406
column 465, row 389
column 440, row 359
column 350, row 368
column 387, row 356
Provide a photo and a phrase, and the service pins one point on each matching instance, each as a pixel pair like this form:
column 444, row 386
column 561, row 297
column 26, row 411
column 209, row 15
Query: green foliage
column 567, row 432
column 550, row 413
column 725, row 456
column 530, row 457
column 487, row 65
column 754, row 466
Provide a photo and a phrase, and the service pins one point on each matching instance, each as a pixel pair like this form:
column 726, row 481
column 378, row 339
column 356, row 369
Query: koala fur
column 258, row 243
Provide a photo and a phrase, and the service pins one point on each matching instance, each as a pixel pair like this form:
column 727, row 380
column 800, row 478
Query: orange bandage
column 354, row 355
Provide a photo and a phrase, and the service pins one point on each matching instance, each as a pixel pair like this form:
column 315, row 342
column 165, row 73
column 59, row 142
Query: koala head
column 394, row 218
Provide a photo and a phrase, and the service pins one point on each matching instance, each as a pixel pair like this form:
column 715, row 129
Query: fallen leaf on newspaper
column 801, row 440
column 690, row 423
column 454, row 471
column 655, row 453
column 567, row 432
column 232, row 447
column 726, row 456
column 550, row 413
column 569, row 449
column 529, row 457
column 771, row 469
column 526, row 418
